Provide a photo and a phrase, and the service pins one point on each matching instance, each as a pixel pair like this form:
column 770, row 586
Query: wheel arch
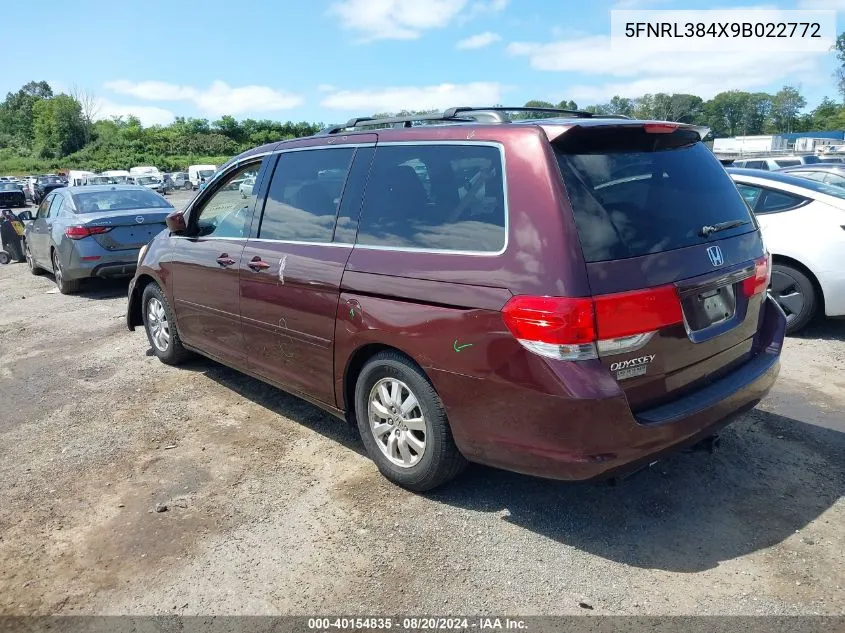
column 794, row 263
column 355, row 363
column 134, row 309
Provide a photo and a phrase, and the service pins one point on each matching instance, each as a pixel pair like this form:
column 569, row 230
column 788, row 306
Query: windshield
column 101, row 180
column 7, row 186
column 50, row 180
column 634, row 193
column 114, row 200
column 205, row 173
column 147, row 180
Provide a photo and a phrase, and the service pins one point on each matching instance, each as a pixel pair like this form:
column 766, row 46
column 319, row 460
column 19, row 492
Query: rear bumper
column 590, row 432
column 108, row 265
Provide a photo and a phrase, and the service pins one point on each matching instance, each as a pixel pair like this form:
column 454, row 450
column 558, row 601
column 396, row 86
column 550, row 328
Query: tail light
column 78, row 232
column 578, row 328
column 759, row 281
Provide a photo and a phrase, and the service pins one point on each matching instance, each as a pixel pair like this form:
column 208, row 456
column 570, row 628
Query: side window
column 44, row 207
column 834, row 179
column 56, row 206
column 438, row 197
column 304, row 195
column 756, row 164
column 227, row 212
column 750, row 194
column 772, row 201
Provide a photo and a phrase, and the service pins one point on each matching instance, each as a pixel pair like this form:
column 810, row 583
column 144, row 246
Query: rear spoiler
column 554, row 131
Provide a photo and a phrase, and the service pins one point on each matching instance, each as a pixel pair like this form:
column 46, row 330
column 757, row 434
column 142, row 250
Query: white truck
column 197, row 174
column 144, row 170
column 78, row 177
column 119, row 175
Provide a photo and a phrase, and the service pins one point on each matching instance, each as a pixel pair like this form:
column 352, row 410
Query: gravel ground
column 273, row 509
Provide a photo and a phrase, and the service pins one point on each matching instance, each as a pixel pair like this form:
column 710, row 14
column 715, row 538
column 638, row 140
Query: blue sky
column 327, row 60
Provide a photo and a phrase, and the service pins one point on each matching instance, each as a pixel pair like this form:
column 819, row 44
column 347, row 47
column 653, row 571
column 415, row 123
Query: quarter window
column 439, row 197
column 762, row 200
column 304, row 195
column 228, row 211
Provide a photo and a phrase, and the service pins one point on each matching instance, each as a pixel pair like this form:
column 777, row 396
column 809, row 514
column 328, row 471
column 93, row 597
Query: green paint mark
column 351, row 313
column 458, row 348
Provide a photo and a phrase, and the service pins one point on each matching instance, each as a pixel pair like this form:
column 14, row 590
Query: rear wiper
column 709, row 229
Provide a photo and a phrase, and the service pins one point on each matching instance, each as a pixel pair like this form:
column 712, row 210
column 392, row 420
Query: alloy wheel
column 158, row 325
column 397, row 422
column 57, row 269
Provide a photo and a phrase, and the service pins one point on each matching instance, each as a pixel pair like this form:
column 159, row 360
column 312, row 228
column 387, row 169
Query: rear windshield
column 96, row 201
column 634, row 193
column 787, row 162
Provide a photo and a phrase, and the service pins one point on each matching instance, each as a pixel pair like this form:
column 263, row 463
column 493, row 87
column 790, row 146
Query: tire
column 65, row 286
column 187, row 186
column 155, row 311
column 4, row 258
column 439, row 460
column 796, row 294
column 34, row 268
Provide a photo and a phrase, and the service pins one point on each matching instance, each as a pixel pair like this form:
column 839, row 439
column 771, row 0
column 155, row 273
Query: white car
column 803, row 225
column 247, row 186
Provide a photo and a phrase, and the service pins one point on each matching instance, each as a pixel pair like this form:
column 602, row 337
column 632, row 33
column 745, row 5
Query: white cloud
column 415, row 97
column 636, row 4
column 149, row 115
column 218, row 99
column 829, row 5
column 642, row 71
column 478, row 41
column 405, row 19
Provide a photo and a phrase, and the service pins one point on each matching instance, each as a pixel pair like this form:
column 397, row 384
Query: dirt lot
column 272, row 507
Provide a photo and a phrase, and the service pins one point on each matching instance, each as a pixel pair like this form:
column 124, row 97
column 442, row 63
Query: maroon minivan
column 568, row 297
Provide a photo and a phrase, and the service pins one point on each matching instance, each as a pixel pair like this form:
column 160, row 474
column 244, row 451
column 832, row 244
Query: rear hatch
column 674, row 258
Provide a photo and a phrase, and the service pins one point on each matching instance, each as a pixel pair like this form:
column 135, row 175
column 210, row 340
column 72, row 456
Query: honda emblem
column 715, row 255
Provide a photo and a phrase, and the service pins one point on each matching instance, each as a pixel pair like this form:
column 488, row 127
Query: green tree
column 16, row 112
column 567, row 105
column 786, row 104
column 621, row 105
column 58, row 127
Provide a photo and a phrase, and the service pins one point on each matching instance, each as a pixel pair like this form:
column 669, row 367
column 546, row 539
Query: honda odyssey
column 568, row 297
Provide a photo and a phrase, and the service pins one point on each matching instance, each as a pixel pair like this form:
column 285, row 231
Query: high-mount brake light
column 660, row 128
column 579, row 328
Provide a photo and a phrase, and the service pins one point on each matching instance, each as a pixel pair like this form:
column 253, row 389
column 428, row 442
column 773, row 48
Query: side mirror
column 176, row 222
column 25, row 216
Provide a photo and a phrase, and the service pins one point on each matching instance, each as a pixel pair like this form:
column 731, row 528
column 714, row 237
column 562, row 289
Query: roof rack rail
column 460, row 114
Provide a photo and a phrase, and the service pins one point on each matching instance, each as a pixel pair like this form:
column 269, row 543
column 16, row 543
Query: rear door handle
column 256, row 263
column 225, row 260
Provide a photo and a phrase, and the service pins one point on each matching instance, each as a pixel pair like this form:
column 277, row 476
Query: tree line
column 44, row 131
column 41, row 131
